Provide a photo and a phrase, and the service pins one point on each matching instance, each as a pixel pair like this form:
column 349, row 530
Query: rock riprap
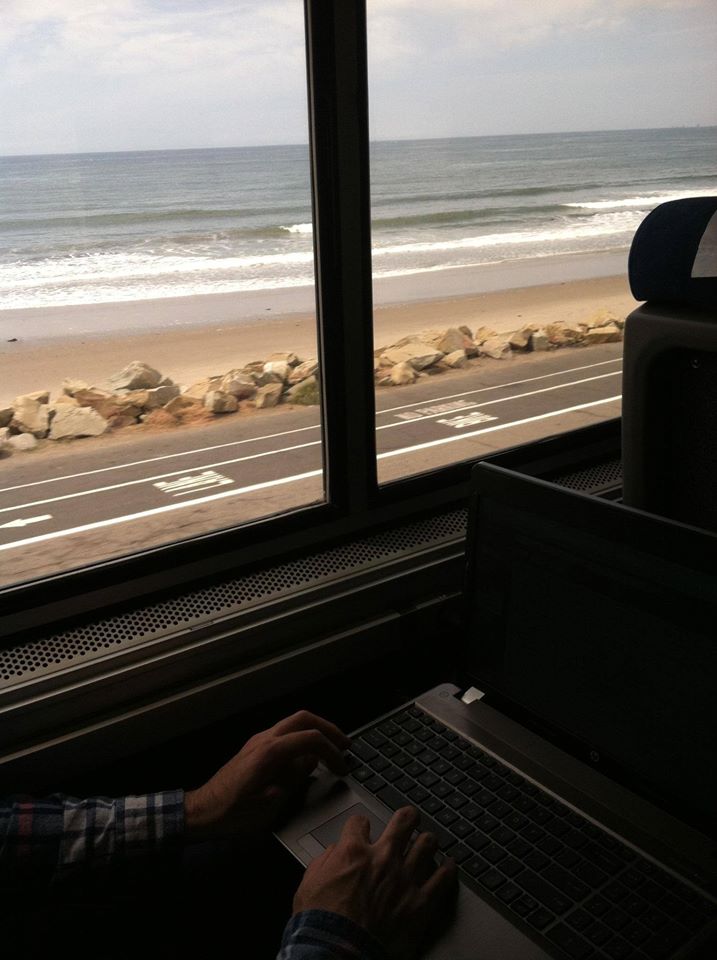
column 141, row 394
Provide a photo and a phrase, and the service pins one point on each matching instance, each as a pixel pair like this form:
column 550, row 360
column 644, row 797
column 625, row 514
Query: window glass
column 158, row 374
column 515, row 150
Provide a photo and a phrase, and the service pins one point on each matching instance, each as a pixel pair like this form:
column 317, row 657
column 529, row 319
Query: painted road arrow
column 24, row 522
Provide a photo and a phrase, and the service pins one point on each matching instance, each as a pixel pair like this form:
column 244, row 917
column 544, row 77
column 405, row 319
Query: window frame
column 337, row 82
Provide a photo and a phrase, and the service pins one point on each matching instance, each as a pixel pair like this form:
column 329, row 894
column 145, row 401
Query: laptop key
column 543, row 891
column 379, row 763
column 619, row 949
column 569, row 941
column 540, row 918
column 519, row 848
column 511, row 867
column 591, row 875
column 443, row 790
column 469, row 787
column 478, row 841
column 392, row 774
column 418, row 795
column 456, row 800
column 524, row 905
column 427, row 779
column 493, row 853
column 564, row 881
column 363, row 750
column 402, row 759
column 508, row 892
column 374, row 738
column 432, row 805
column 362, row 774
column 476, row 865
column 537, row 860
column 374, row 784
column 472, row 811
column 444, row 838
column 491, row 879
column 392, row 797
column 579, row 919
column 459, row 852
column 446, row 817
column 598, row 933
column 462, row 828
column 664, row 943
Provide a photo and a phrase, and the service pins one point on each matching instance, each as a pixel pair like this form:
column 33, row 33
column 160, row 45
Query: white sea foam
column 647, row 202
column 614, row 224
column 299, row 228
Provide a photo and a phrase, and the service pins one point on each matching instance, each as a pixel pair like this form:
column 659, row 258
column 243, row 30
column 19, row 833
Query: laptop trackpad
column 330, row 832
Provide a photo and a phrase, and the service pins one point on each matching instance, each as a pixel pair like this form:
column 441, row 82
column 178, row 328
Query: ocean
column 106, row 227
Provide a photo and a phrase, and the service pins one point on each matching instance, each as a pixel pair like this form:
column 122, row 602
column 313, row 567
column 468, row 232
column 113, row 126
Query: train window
column 512, row 158
column 159, row 354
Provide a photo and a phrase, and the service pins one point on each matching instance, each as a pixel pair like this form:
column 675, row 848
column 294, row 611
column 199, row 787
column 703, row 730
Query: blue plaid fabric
column 42, row 841
column 320, row 935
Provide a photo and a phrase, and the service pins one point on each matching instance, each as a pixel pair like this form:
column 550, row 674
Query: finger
column 442, row 885
column 398, row 831
column 356, row 828
column 306, row 743
column 420, row 860
column 304, row 720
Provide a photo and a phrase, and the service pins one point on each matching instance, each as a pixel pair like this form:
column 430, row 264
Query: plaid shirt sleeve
column 44, row 840
column 322, row 935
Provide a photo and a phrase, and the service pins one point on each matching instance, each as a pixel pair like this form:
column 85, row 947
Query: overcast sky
column 95, row 75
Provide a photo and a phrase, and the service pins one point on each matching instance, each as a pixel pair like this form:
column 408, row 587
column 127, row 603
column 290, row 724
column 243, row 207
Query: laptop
column 571, row 772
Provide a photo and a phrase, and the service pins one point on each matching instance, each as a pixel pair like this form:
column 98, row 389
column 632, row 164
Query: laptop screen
column 597, row 623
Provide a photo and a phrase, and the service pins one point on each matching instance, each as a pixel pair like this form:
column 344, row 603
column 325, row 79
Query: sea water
column 105, row 227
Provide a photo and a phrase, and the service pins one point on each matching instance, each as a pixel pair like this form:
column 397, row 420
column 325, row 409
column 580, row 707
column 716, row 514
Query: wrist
column 197, row 822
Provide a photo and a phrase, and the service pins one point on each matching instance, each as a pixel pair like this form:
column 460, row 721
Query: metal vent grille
column 593, row 479
column 161, row 619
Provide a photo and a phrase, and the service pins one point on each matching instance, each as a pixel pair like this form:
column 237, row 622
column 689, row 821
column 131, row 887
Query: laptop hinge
column 471, row 694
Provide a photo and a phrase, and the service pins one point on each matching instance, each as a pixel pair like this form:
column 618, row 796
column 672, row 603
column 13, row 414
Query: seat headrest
column 673, row 257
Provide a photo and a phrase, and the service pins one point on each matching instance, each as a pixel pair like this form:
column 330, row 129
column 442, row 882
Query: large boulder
column 498, row 348
column 455, row 359
column 609, row 333
column 309, row 368
column 110, row 405
column 484, row 333
column 178, row 405
column 563, row 334
column 521, row 339
column 71, row 385
column 403, row 373
column 540, row 340
column 22, row 442
column 6, row 415
column 419, row 354
column 199, row 390
column 238, row 384
column 447, row 341
column 267, row 377
column 160, row 396
column 72, row 421
column 4, row 437
column 280, row 367
column 306, row 392
column 216, row 401
column 290, row 358
column 31, row 414
column 136, row 376
column 268, row 396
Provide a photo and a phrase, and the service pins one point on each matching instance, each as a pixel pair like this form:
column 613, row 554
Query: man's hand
column 251, row 791
column 396, row 894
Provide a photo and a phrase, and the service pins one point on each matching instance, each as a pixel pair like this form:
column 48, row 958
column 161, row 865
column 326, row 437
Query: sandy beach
column 192, row 337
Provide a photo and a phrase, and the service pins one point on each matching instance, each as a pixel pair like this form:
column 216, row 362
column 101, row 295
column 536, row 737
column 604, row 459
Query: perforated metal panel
column 155, row 621
column 593, row 479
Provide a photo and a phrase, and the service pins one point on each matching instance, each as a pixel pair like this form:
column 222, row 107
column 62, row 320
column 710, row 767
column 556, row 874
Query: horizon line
column 305, row 143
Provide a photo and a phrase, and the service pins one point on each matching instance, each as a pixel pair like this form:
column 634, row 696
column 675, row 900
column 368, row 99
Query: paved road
column 100, row 484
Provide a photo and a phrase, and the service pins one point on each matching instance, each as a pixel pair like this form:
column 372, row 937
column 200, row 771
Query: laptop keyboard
column 587, row 893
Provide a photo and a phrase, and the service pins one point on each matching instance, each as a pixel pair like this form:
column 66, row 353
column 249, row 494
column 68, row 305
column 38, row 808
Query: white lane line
column 167, row 456
column 270, row 453
column 156, row 510
column 515, row 396
column 159, row 476
column 285, row 433
column 301, row 476
column 502, row 426
column 512, row 383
